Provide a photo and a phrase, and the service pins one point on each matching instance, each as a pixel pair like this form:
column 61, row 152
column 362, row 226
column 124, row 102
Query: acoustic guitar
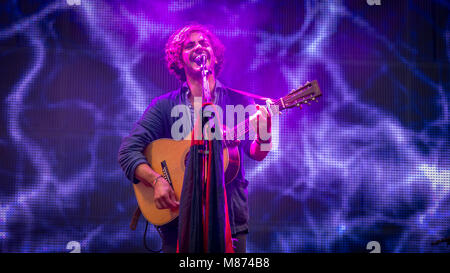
column 168, row 157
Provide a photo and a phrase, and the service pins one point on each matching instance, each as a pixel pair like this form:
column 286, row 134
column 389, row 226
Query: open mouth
column 196, row 54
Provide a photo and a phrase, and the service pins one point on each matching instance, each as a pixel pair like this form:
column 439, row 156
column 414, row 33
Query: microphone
column 200, row 60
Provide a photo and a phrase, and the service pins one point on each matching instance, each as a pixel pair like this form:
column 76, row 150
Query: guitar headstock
column 310, row 91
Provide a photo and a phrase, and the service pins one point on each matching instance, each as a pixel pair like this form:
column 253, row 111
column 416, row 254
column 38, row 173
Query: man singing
column 182, row 53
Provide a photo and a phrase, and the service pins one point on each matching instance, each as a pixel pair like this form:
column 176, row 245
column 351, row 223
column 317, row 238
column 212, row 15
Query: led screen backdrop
column 369, row 162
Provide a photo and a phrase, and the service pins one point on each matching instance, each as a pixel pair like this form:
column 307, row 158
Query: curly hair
column 174, row 48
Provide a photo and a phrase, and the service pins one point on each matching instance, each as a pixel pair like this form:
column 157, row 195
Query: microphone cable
column 145, row 239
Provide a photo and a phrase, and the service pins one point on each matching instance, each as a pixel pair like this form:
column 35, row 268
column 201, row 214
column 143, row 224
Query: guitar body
column 174, row 152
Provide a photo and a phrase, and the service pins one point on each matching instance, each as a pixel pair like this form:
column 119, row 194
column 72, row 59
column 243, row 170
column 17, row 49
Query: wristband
column 156, row 180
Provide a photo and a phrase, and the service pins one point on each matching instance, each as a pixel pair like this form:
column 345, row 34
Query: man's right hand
column 163, row 195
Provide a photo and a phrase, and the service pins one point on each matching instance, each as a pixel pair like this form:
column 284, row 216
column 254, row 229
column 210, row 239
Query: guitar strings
column 238, row 131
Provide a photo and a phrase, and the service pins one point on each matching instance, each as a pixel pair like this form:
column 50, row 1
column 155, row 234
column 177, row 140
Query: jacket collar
column 218, row 91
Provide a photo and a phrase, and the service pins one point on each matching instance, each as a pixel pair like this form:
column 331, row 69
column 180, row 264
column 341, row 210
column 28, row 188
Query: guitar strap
column 137, row 213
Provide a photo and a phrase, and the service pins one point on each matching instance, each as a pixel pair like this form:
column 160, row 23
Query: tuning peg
column 292, row 91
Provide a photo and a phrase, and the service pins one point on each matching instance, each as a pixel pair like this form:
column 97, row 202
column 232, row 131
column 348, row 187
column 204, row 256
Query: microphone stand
column 205, row 86
column 207, row 100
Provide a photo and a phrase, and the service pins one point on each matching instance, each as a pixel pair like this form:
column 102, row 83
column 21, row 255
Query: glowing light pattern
column 345, row 172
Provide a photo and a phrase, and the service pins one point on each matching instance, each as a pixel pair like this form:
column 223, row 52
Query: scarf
column 204, row 225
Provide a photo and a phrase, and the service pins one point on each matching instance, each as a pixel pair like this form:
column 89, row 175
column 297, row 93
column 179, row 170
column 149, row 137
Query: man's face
column 196, row 44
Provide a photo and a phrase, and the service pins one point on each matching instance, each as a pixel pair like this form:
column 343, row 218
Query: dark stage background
column 369, row 162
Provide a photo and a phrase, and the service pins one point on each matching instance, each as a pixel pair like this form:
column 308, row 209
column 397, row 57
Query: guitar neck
column 297, row 97
column 242, row 128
